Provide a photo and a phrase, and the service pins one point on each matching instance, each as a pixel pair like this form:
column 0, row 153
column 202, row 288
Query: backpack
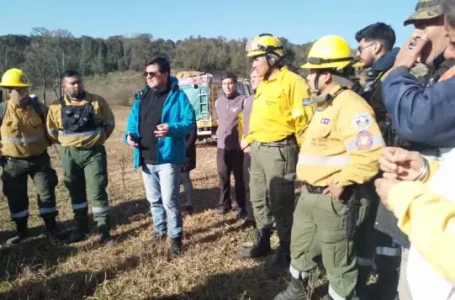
column 35, row 104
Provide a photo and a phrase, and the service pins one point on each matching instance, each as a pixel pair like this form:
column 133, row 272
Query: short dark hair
column 162, row 62
column 231, row 76
column 69, row 73
column 449, row 11
column 380, row 32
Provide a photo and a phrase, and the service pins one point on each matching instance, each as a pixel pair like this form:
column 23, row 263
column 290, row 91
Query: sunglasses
column 151, row 74
column 360, row 49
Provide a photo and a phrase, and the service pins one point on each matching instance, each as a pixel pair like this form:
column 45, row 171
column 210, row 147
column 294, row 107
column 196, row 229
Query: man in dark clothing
column 185, row 169
column 229, row 154
column 377, row 54
column 161, row 117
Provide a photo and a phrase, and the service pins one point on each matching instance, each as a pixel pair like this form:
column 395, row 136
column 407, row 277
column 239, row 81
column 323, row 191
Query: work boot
column 52, row 230
column 281, row 261
column 158, row 238
column 294, row 291
column 175, row 249
column 261, row 247
column 242, row 214
column 21, row 231
column 106, row 239
column 249, row 223
column 82, row 230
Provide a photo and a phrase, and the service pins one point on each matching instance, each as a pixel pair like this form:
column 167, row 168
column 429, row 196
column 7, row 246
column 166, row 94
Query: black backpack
column 35, row 104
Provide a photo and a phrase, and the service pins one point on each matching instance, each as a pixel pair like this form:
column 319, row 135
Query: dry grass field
column 135, row 268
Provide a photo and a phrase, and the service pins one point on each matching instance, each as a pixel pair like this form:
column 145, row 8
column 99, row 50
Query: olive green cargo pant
column 15, row 178
column 324, row 226
column 272, row 178
column 85, row 177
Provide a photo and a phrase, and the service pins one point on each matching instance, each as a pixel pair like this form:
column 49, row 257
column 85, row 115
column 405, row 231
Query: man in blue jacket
column 422, row 114
column 160, row 119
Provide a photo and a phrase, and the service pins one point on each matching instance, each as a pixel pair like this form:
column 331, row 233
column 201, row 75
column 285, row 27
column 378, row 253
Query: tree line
column 44, row 54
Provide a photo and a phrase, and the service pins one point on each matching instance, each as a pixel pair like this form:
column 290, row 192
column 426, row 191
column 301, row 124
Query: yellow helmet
column 263, row 44
column 329, row 52
column 14, row 78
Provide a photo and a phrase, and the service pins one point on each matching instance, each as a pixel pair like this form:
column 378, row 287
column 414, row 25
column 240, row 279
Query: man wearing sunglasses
column 24, row 154
column 277, row 123
column 160, row 119
column 81, row 123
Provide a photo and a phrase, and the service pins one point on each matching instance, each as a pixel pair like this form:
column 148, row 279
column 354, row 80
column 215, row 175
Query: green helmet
column 425, row 9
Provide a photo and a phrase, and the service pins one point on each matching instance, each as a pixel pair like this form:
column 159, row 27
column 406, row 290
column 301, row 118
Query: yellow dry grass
column 135, row 268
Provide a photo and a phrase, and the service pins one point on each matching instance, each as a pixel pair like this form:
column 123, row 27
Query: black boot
column 82, row 230
column 106, row 239
column 281, row 261
column 22, row 231
column 52, row 230
column 175, row 249
column 261, row 247
column 295, row 291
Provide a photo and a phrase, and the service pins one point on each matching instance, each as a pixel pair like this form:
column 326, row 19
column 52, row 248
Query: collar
column 438, row 61
column 279, row 75
column 88, row 97
column 233, row 96
column 386, row 61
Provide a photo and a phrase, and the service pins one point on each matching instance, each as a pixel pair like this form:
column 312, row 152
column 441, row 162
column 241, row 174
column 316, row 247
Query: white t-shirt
column 424, row 282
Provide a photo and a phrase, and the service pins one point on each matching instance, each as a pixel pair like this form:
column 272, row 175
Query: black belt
column 30, row 158
column 287, row 141
column 314, row 189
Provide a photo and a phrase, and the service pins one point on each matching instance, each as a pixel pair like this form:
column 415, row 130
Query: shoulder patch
column 325, row 121
column 364, row 140
column 362, row 121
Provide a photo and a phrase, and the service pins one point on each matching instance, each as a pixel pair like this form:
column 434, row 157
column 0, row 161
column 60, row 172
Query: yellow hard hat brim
column 336, row 65
column 15, row 85
column 255, row 53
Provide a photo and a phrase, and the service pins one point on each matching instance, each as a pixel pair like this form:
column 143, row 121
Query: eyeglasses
column 151, row 74
column 360, row 49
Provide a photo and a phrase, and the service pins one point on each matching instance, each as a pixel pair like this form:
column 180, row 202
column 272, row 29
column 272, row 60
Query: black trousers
column 230, row 161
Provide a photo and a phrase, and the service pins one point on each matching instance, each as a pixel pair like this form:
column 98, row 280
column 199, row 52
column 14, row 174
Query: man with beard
column 81, row 122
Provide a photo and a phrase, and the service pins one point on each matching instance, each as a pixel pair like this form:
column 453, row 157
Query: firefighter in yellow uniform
column 340, row 150
column 23, row 136
column 277, row 123
column 81, row 122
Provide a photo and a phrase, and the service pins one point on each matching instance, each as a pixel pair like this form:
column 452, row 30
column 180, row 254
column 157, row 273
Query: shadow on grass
column 241, row 284
column 78, row 285
column 31, row 256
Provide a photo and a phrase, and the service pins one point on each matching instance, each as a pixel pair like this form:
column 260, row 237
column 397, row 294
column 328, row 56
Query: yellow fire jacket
column 342, row 143
column 23, row 133
column 428, row 218
column 278, row 110
column 104, row 120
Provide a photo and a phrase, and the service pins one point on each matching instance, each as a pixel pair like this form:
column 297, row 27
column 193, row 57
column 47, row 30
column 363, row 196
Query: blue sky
column 299, row 20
